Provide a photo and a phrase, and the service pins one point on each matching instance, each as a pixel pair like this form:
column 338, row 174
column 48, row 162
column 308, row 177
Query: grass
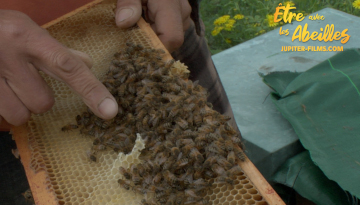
column 257, row 18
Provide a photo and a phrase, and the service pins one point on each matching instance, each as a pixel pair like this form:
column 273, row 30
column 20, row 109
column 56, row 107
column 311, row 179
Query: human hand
column 168, row 18
column 26, row 48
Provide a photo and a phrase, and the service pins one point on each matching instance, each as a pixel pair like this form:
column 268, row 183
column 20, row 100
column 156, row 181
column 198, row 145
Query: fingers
column 83, row 56
column 128, row 12
column 58, row 62
column 168, row 17
column 30, row 88
column 11, row 108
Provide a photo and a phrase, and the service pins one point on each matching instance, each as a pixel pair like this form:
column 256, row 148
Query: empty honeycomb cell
column 252, row 191
column 257, row 197
column 58, row 192
column 250, row 201
column 111, row 192
column 85, row 195
column 222, row 200
column 233, row 192
column 61, row 202
column 244, row 181
column 224, row 188
column 239, row 186
column 262, row 203
column 225, row 203
column 246, row 196
column 230, row 198
column 242, row 191
column 216, row 201
column 248, row 186
column 242, row 201
column 219, row 195
column 216, row 190
column 242, row 177
column 213, row 197
column 233, row 203
column 79, row 194
column 238, row 197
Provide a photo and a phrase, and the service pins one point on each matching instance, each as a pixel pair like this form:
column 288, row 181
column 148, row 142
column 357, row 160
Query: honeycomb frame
column 47, row 190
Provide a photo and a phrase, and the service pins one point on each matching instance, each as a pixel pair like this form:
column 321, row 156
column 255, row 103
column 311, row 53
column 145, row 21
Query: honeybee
column 167, row 165
column 239, row 153
column 91, row 155
column 229, row 145
column 157, row 178
column 130, row 119
column 209, row 174
column 106, row 124
column 195, row 154
column 211, row 137
column 170, row 177
column 224, row 179
column 125, row 184
column 174, row 111
column 209, row 161
column 182, row 123
column 166, row 79
column 229, row 129
column 82, row 120
column 218, row 169
column 122, row 89
column 223, row 162
column 99, row 147
column 175, row 151
column 182, row 162
column 231, row 157
column 28, row 196
column 207, row 128
column 136, row 177
column 191, row 193
column 69, row 127
column 235, row 170
column 190, row 107
column 125, row 173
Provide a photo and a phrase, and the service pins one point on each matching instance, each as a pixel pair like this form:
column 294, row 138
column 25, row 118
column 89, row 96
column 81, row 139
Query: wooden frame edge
column 37, row 181
column 86, row 6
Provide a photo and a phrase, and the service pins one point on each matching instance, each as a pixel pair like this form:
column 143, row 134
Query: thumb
column 128, row 12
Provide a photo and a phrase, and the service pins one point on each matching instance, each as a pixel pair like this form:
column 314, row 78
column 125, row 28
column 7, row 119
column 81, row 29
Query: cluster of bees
column 188, row 147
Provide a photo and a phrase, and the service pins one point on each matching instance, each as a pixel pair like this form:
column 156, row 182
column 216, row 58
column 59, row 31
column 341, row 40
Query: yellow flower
column 229, row 25
column 221, row 20
column 356, row 4
column 238, row 16
column 289, row 2
column 270, row 19
column 217, row 30
column 227, row 40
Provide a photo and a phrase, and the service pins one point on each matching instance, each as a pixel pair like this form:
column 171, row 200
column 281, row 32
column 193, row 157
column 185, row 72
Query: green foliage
column 255, row 21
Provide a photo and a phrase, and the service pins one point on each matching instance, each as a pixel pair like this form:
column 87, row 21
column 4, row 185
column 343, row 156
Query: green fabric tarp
column 301, row 174
column 323, row 106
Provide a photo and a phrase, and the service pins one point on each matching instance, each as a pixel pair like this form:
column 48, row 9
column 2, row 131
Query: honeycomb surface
column 72, row 177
